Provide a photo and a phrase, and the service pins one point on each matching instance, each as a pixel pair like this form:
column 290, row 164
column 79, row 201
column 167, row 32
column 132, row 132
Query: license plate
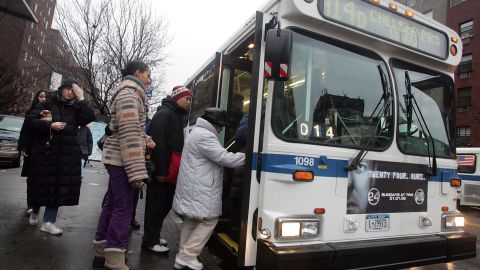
column 377, row 223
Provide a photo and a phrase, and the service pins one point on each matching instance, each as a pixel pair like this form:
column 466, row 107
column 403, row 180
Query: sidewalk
column 25, row 247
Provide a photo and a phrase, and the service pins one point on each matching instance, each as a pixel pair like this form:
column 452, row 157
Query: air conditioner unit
column 464, row 75
column 466, row 35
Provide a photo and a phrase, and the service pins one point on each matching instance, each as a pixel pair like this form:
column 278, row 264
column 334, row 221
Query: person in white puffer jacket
column 198, row 196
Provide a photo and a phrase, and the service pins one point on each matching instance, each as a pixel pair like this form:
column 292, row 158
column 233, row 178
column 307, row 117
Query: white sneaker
column 163, row 242
column 158, row 249
column 28, row 212
column 51, row 228
column 33, row 219
column 193, row 264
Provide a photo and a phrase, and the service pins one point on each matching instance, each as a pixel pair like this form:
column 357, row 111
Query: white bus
column 469, row 172
column 350, row 149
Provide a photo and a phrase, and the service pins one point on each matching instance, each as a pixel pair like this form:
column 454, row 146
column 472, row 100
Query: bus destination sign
column 378, row 21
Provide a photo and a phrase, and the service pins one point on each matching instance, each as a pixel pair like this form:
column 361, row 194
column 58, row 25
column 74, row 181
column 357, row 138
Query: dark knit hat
column 67, row 83
column 180, row 91
column 215, row 116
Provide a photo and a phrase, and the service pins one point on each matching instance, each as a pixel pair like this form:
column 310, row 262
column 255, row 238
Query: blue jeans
column 50, row 214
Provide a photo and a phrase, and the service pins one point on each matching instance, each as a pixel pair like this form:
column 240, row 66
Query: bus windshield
column 433, row 92
column 336, row 94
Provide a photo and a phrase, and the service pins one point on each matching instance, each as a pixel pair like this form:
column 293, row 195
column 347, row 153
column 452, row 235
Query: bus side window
column 466, row 163
column 203, row 94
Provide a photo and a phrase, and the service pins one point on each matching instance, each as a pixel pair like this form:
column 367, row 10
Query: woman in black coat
column 25, row 139
column 54, row 174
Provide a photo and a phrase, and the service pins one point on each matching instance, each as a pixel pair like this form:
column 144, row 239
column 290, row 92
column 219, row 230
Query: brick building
column 464, row 17
column 22, row 46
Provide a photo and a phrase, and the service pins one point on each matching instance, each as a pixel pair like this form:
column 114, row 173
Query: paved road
column 24, row 247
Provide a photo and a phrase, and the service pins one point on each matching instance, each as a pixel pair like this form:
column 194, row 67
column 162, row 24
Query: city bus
column 469, row 172
column 350, row 152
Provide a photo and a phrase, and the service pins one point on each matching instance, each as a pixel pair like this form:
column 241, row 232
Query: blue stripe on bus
column 469, row 177
column 321, row 166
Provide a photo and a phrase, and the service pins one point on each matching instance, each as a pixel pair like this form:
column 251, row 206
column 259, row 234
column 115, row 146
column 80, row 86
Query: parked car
column 10, row 127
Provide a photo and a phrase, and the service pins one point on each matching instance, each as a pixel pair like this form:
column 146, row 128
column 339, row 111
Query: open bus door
column 233, row 240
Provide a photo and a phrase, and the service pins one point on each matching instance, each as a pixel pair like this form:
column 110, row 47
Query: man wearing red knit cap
column 166, row 130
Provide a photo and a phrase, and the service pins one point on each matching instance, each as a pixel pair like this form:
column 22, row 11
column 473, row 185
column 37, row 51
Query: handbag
column 173, row 168
column 101, row 141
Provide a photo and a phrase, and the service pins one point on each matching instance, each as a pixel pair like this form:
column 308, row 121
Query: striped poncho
column 126, row 147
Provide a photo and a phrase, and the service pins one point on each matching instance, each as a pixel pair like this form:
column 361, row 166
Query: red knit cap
column 179, row 92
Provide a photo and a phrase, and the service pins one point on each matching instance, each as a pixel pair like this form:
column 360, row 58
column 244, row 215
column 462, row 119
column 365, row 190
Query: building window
column 36, row 5
column 456, row 2
column 463, row 131
column 26, row 56
column 465, row 66
column 29, row 38
column 49, row 9
column 464, row 99
column 429, row 13
column 46, row 25
column 466, row 29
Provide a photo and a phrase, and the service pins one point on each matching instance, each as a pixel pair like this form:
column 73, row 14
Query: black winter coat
column 54, row 174
column 25, row 144
column 166, row 130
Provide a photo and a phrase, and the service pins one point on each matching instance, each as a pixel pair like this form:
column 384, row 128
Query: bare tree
column 11, row 78
column 102, row 36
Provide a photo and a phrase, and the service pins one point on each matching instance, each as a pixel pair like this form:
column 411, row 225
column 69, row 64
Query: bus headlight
column 297, row 227
column 453, row 221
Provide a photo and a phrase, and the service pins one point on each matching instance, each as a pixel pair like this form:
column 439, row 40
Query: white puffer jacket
column 200, row 180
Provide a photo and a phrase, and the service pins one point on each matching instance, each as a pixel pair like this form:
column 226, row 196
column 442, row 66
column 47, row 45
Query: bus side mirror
column 278, row 51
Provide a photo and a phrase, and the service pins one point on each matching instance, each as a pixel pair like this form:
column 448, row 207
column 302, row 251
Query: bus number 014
column 304, row 130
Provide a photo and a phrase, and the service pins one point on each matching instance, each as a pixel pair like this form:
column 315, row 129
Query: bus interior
column 225, row 82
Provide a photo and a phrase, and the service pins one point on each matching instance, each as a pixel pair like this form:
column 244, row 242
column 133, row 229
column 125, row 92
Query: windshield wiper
column 386, row 105
column 385, row 96
column 409, row 101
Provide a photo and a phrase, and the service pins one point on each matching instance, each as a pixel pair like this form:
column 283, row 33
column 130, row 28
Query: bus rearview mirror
column 278, row 52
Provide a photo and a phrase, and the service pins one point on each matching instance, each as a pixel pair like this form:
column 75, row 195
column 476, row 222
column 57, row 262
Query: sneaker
column 163, row 242
column 28, row 212
column 33, row 219
column 193, row 264
column 51, row 228
column 158, row 249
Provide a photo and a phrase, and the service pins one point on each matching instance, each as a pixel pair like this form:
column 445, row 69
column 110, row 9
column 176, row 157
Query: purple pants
column 117, row 209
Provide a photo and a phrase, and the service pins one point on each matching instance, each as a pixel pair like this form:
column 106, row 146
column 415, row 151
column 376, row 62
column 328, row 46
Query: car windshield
column 336, row 94
column 433, row 93
column 11, row 123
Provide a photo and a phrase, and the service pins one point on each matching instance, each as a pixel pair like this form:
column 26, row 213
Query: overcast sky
column 199, row 28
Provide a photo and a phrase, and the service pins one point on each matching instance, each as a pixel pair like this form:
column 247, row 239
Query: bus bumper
column 372, row 254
